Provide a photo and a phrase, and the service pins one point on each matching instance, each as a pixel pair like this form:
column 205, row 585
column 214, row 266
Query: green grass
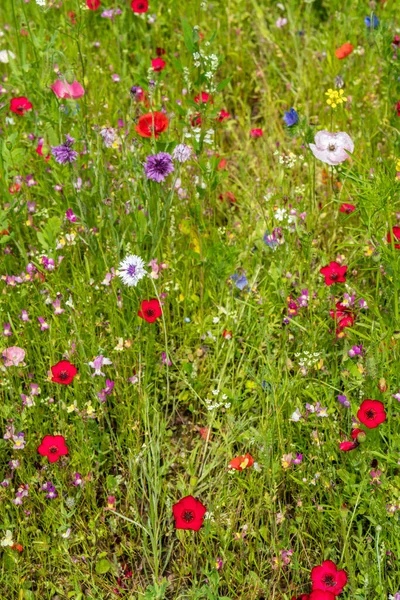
column 143, row 445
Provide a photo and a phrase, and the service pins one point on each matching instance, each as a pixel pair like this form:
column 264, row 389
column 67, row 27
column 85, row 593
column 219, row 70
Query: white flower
column 131, row 270
column 182, row 153
column 7, row 539
column 66, row 534
column 5, row 56
column 331, row 147
column 296, row 416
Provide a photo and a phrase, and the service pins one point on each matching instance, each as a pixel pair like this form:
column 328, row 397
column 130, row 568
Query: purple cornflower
column 64, row 153
column 343, row 400
column 291, row 117
column 158, row 166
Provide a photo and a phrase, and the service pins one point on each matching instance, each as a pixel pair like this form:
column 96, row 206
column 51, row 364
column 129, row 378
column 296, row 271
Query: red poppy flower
column 14, row 188
column 223, row 115
column 344, row 50
column 371, row 413
column 150, row 310
column 321, row 595
column 396, row 233
column 152, row 124
column 347, row 208
column 20, row 105
column 256, row 133
column 327, row 578
column 241, row 462
column 93, row 4
column 63, row 372
column 158, row 64
column 140, row 6
column 203, row 98
column 334, row 273
column 189, row 513
column 347, row 446
column 53, row 446
column 18, row 547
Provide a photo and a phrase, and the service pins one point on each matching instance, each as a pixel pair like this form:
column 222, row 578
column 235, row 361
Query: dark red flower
column 20, row 105
column 371, row 413
column 160, row 51
column 140, row 6
column 189, row 513
column 53, row 446
column 321, row 595
column 398, row 108
column 347, row 321
column 93, row 4
column 396, row 233
column 152, row 124
column 227, row 196
column 334, row 273
column 241, row 462
column 347, row 208
column 327, row 578
column 396, row 41
column 150, row 310
column 158, row 64
column 63, row 372
column 203, row 98
column 195, row 121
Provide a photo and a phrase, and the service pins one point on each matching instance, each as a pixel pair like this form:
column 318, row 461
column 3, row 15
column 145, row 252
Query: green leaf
column 103, row 566
column 222, row 85
column 188, row 36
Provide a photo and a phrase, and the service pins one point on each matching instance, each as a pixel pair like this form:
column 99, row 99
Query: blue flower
column 240, row 282
column 291, row 118
column 374, row 23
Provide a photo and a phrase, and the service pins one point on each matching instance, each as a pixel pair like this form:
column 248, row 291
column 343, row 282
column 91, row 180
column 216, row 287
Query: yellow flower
column 398, row 165
column 335, row 97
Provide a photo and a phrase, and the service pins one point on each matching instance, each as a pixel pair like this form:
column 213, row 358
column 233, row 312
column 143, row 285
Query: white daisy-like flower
column 131, row 270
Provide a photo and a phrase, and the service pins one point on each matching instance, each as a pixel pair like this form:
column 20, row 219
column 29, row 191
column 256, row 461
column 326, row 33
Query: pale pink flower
column 62, row 89
column 13, row 356
column 332, row 148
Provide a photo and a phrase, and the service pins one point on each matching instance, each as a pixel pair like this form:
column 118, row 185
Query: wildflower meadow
column 199, row 300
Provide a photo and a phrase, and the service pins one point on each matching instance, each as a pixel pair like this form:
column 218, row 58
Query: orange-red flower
column 152, row 124
column 344, row 50
column 241, row 462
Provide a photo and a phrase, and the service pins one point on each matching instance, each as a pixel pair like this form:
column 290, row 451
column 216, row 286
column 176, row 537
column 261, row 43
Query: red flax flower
column 203, row 98
column 347, row 208
column 93, row 4
column 396, row 233
column 63, row 372
column 152, row 124
column 189, row 513
column 140, row 6
column 321, row 595
column 241, row 462
column 20, row 105
column 150, row 310
column 334, row 273
column 371, row 413
column 158, row 64
column 327, row 578
column 344, row 50
column 53, row 446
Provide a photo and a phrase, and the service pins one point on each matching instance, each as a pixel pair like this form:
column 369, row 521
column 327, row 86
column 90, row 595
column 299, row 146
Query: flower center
column 370, row 414
column 131, row 270
column 53, row 449
column 149, row 312
column 334, row 276
column 331, row 147
column 63, row 375
column 188, row 516
column 329, row 581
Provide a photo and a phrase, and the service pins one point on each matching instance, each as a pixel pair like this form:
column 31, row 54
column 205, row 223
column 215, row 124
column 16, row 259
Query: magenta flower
column 62, row 89
column 97, row 364
column 71, row 216
column 332, row 148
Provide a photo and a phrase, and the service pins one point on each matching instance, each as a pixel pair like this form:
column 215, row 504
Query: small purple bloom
column 71, row 216
column 64, row 153
column 343, row 400
column 158, row 166
column 291, row 117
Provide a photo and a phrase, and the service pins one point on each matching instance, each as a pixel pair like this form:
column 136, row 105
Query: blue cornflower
column 371, row 24
column 291, row 117
column 240, row 281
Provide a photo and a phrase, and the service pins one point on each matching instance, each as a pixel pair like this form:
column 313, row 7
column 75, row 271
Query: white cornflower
column 131, row 270
column 182, row 153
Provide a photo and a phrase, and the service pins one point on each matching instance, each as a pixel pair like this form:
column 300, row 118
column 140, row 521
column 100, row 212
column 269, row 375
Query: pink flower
column 13, row 356
column 62, row 89
column 331, row 147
